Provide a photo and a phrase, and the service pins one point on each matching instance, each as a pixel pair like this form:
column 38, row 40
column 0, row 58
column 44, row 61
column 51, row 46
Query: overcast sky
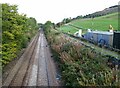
column 56, row 10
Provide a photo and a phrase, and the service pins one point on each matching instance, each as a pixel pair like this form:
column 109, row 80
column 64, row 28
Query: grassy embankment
column 99, row 23
column 80, row 66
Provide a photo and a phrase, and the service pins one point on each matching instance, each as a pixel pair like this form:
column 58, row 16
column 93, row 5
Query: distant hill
column 100, row 20
column 106, row 11
column 101, row 23
column 98, row 23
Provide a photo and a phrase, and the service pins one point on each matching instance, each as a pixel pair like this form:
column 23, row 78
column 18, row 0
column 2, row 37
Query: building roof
column 102, row 32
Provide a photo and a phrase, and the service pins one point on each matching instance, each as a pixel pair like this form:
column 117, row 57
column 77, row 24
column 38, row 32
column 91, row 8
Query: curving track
column 35, row 67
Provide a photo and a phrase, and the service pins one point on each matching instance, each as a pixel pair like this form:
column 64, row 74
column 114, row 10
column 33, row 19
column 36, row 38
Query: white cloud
column 56, row 10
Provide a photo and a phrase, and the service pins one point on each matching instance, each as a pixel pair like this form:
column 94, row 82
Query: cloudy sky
column 56, row 10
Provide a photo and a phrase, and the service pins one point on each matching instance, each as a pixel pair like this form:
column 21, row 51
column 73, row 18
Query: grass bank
column 80, row 66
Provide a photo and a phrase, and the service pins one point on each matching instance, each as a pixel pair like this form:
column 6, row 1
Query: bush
column 80, row 65
column 17, row 30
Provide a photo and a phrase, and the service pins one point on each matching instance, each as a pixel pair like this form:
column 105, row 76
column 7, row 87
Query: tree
column 40, row 25
column 17, row 30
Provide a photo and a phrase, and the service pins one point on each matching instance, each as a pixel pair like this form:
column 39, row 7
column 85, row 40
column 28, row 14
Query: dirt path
column 35, row 67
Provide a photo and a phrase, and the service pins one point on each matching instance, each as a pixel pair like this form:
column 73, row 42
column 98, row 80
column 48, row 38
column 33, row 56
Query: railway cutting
column 35, row 67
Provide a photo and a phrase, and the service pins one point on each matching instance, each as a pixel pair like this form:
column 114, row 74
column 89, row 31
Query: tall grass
column 81, row 66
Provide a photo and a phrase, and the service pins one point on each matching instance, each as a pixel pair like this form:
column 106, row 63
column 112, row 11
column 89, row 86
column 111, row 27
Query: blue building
column 100, row 37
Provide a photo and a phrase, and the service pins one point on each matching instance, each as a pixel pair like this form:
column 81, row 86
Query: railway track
column 35, row 67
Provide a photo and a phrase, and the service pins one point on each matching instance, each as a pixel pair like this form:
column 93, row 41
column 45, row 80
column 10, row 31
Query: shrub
column 81, row 65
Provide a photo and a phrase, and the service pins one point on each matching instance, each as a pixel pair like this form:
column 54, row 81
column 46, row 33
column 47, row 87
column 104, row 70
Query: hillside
column 112, row 9
column 68, row 28
column 97, row 23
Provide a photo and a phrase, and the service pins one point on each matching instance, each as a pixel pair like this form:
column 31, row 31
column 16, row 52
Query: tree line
column 17, row 31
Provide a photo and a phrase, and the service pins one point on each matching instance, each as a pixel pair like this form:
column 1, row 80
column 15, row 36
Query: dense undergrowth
column 80, row 66
column 17, row 31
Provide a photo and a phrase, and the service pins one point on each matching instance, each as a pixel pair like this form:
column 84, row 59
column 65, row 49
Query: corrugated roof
column 102, row 32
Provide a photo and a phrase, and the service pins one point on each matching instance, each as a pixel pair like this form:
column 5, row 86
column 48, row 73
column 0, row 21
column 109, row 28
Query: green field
column 68, row 28
column 99, row 23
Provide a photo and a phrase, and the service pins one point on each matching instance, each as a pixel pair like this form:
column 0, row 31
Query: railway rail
column 35, row 67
